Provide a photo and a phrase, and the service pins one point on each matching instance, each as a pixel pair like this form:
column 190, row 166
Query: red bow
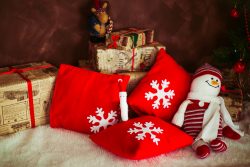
column 115, row 39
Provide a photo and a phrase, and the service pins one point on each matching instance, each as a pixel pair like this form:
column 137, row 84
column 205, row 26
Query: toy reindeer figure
column 100, row 22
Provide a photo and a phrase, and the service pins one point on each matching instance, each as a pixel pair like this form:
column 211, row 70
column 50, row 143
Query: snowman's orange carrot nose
column 214, row 83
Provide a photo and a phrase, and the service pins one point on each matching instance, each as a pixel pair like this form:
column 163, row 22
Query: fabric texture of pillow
column 86, row 101
column 162, row 90
column 141, row 138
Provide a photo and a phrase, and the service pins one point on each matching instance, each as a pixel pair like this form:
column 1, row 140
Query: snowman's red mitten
column 218, row 145
column 202, row 151
column 229, row 133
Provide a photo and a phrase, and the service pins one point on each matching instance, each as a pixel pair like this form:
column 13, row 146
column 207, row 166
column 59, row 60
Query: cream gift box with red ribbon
column 135, row 77
column 111, row 60
column 25, row 93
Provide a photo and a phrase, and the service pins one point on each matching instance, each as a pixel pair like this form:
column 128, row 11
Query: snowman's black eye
column 217, row 80
column 212, row 78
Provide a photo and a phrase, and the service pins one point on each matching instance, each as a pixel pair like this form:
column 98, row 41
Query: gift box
column 84, row 63
column 111, row 60
column 232, row 94
column 129, row 38
column 135, row 78
column 25, row 94
column 234, row 103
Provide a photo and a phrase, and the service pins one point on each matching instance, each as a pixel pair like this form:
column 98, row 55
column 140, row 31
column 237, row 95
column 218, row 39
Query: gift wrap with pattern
column 232, row 94
column 234, row 103
column 135, row 78
column 15, row 95
column 129, row 38
column 111, row 60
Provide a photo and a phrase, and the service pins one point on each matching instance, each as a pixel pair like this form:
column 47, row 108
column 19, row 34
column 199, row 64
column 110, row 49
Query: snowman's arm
column 227, row 120
column 178, row 118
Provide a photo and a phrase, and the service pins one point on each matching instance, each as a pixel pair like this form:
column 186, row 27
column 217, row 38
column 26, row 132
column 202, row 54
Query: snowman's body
column 194, row 116
column 203, row 88
column 204, row 115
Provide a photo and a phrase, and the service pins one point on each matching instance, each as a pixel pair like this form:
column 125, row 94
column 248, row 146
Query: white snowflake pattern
column 160, row 94
column 142, row 130
column 102, row 122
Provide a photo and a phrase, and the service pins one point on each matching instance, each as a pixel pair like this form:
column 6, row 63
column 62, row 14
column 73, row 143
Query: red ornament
column 223, row 88
column 234, row 13
column 239, row 66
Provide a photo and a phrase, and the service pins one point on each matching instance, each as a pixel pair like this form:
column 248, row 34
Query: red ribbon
column 133, row 59
column 29, row 86
column 115, row 39
column 143, row 39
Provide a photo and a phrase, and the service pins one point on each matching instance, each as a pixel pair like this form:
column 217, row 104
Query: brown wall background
column 56, row 30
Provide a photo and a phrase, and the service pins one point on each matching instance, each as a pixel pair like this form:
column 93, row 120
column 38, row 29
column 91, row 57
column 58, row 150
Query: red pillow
column 162, row 90
column 142, row 138
column 85, row 101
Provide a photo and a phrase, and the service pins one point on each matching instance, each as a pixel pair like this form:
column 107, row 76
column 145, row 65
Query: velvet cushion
column 141, row 138
column 85, row 101
column 162, row 90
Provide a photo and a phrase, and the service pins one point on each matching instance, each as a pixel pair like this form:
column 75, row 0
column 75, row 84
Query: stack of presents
column 130, row 51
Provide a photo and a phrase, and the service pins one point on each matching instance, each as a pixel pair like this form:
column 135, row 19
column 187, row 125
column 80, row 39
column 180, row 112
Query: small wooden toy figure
column 203, row 114
column 100, row 22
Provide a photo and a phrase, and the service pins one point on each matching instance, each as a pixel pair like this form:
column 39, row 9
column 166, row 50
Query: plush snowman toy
column 203, row 114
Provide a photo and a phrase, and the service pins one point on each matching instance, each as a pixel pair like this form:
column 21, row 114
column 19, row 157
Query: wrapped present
column 25, row 93
column 129, row 38
column 232, row 94
column 84, row 63
column 135, row 78
column 118, row 60
column 234, row 103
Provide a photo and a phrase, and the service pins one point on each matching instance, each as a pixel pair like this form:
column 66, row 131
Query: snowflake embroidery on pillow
column 99, row 121
column 148, row 128
column 160, row 94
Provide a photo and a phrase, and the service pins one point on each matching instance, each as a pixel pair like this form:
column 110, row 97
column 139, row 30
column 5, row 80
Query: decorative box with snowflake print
column 117, row 60
column 25, row 95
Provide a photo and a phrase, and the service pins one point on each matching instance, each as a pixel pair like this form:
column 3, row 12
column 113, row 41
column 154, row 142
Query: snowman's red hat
column 207, row 69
